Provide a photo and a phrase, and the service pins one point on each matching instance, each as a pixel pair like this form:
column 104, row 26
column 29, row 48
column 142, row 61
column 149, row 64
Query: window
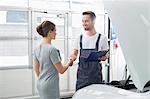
column 17, row 17
column 14, row 42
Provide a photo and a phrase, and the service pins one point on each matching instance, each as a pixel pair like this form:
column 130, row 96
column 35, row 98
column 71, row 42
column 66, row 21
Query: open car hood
column 131, row 20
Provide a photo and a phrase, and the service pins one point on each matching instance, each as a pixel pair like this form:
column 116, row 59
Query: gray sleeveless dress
column 48, row 83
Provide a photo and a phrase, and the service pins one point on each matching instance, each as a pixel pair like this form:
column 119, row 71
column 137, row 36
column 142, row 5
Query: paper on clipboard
column 94, row 56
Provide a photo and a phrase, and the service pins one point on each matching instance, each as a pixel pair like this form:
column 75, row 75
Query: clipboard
column 94, row 56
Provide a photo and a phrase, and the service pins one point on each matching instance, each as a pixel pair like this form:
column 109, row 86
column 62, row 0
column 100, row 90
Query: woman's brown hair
column 45, row 27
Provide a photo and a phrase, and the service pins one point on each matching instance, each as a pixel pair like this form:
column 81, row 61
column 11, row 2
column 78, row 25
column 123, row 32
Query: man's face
column 87, row 22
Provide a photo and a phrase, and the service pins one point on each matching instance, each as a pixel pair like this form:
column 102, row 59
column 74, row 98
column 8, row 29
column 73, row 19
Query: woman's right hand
column 70, row 62
column 72, row 57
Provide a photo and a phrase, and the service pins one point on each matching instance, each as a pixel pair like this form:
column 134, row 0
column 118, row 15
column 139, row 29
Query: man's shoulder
column 101, row 34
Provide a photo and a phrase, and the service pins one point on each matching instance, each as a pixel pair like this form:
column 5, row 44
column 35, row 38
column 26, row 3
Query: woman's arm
column 36, row 67
column 61, row 68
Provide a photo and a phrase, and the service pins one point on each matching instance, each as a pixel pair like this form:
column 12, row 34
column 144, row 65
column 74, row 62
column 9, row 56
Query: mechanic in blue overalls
column 89, row 72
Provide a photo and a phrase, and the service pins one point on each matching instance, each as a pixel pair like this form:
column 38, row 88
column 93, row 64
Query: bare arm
column 61, row 68
column 36, row 68
column 105, row 47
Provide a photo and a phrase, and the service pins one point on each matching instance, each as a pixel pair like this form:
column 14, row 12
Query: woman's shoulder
column 52, row 48
column 37, row 48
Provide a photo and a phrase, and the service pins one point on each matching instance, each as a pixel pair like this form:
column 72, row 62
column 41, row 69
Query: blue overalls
column 89, row 72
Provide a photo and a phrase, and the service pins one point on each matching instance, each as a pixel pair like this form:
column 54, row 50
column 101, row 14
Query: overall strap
column 97, row 42
column 81, row 41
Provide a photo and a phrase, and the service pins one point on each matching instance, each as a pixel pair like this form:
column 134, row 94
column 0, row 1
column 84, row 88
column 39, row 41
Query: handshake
column 72, row 58
column 70, row 62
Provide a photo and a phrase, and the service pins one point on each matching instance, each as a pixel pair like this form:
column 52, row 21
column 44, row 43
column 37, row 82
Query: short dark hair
column 92, row 14
column 45, row 27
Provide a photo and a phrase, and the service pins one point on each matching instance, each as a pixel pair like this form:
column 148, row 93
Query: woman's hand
column 70, row 62
column 73, row 57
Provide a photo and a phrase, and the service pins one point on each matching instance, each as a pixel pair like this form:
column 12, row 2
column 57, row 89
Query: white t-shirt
column 89, row 42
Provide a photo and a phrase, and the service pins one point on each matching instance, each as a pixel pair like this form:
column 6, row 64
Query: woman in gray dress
column 47, row 63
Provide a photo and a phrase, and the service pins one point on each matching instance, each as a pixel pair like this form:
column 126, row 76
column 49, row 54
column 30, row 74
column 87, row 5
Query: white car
column 101, row 91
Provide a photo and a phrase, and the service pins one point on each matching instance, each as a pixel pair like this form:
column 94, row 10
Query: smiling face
column 52, row 34
column 87, row 22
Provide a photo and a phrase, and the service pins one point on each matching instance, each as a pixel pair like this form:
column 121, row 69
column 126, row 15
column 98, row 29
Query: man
column 89, row 72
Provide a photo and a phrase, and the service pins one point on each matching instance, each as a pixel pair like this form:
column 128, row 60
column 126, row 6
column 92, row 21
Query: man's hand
column 73, row 57
column 74, row 54
column 103, row 58
column 70, row 62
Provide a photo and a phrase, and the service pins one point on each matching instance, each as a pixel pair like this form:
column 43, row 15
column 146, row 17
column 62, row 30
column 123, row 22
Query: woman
column 47, row 63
